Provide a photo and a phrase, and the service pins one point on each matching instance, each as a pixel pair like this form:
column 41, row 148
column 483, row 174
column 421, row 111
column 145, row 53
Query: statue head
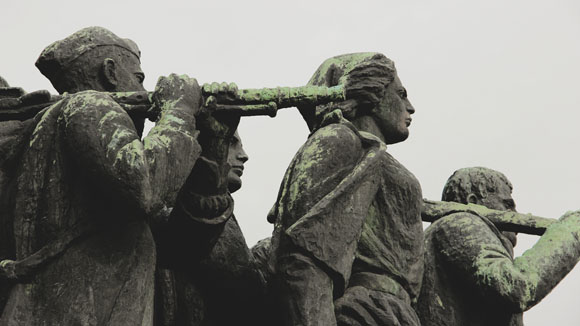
column 376, row 99
column 92, row 59
column 481, row 186
column 236, row 159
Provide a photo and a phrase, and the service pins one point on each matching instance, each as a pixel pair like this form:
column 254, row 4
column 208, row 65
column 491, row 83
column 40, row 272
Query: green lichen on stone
column 82, row 100
column 39, row 126
column 131, row 154
column 168, row 118
column 119, row 137
column 28, row 288
column 531, row 276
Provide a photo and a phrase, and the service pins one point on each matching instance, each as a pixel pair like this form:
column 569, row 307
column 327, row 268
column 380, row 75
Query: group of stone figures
column 102, row 226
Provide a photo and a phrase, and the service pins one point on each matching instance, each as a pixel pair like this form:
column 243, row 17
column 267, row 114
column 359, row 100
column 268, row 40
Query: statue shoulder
column 89, row 99
column 336, row 137
column 465, row 230
column 454, row 224
column 92, row 105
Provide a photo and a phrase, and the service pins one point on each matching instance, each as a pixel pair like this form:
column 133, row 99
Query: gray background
column 494, row 83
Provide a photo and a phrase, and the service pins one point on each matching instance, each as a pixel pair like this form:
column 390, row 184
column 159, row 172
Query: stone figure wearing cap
column 348, row 240
column 471, row 276
column 88, row 188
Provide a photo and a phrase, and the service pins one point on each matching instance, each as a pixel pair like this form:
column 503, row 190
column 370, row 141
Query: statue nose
column 243, row 156
column 410, row 108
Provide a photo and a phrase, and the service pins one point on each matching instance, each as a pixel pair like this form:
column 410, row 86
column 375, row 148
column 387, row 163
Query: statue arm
column 144, row 174
column 469, row 245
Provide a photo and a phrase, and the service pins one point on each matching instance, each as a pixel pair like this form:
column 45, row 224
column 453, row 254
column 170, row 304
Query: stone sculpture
column 471, row 276
column 87, row 186
column 101, row 226
column 348, row 237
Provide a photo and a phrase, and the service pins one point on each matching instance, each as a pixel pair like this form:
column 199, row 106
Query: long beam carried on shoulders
column 504, row 220
column 245, row 102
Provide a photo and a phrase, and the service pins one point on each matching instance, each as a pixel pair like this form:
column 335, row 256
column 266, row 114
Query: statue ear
column 109, row 71
column 472, row 199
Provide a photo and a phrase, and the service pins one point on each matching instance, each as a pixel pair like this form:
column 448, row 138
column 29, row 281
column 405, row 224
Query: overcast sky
column 494, row 84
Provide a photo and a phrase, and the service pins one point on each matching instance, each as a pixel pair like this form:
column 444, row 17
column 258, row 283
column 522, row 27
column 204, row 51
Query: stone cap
column 60, row 54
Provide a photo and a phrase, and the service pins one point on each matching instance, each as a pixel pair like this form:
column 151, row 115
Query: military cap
column 60, row 54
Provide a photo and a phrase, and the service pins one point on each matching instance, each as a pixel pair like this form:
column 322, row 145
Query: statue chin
column 234, row 183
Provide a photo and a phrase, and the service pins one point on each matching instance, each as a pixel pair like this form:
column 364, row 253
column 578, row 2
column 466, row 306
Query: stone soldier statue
column 471, row 276
column 87, row 186
column 348, row 239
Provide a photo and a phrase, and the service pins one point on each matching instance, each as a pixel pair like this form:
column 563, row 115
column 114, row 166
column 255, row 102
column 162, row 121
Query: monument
column 100, row 225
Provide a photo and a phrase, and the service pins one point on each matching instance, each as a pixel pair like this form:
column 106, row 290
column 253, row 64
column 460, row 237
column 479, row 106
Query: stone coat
column 223, row 287
column 356, row 211
column 86, row 175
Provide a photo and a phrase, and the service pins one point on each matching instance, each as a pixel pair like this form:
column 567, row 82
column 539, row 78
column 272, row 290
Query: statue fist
column 219, row 124
column 223, row 91
column 178, row 90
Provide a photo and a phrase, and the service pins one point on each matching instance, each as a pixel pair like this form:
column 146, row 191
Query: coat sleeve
column 471, row 248
column 145, row 174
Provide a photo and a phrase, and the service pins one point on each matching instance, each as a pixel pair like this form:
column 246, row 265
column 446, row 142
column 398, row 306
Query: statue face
column 393, row 113
column 129, row 74
column 502, row 199
column 236, row 159
column 109, row 68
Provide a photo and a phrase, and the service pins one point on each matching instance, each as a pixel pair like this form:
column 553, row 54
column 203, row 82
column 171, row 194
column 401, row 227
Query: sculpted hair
column 365, row 77
column 479, row 181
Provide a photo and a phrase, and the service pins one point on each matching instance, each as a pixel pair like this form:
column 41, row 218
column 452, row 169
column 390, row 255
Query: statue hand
column 218, row 124
column 177, row 90
column 222, row 91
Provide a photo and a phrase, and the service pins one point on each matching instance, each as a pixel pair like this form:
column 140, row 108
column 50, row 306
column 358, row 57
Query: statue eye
column 402, row 93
